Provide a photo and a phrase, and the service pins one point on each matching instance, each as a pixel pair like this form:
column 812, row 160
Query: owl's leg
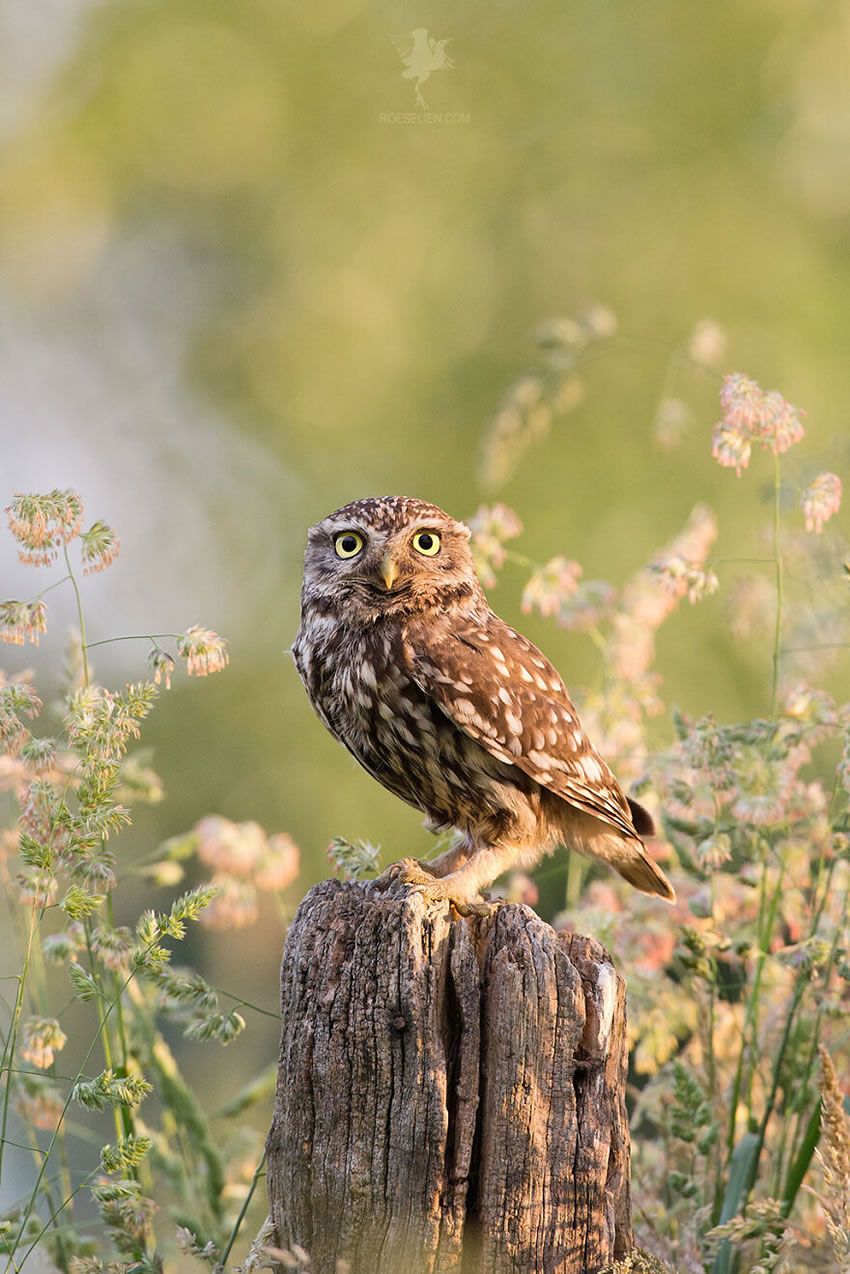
column 450, row 861
column 461, row 886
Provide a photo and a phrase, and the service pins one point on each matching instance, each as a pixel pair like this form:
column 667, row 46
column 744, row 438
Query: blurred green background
column 234, row 295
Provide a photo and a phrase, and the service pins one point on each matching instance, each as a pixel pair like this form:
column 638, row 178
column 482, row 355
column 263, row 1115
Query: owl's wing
column 497, row 687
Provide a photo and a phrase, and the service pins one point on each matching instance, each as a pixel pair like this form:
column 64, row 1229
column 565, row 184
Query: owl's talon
column 464, row 907
column 407, row 871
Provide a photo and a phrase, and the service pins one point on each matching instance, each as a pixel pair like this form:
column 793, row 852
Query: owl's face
column 389, row 554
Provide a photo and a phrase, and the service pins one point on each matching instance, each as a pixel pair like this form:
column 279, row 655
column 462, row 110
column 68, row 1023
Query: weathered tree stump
column 451, row 1092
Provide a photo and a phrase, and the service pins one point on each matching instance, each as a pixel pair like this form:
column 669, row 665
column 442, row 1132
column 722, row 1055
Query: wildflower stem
column 128, row 1115
column 62, row 1255
column 803, row 1083
column 821, row 645
column 50, row 587
column 765, row 926
column 246, row 1004
column 11, row 1042
column 799, row 988
column 80, row 616
column 80, row 1073
column 237, row 1224
column 154, row 637
column 104, row 1030
column 777, row 632
column 520, row 559
column 68, row 1199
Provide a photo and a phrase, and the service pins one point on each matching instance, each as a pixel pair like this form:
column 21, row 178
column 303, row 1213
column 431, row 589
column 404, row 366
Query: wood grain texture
column 451, row 1091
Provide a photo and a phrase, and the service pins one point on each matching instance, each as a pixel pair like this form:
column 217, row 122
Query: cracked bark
column 451, row 1091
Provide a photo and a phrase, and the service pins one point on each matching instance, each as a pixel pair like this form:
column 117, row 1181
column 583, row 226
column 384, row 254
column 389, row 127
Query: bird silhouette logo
column 421, row 54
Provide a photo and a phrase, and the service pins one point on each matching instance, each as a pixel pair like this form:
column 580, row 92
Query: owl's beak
column 388, row 571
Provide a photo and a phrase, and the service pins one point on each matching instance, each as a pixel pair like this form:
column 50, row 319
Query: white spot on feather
column 513, row 722
column 540, row 760
column 590, row 768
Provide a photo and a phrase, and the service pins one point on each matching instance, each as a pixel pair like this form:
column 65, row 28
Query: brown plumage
column 451, row 708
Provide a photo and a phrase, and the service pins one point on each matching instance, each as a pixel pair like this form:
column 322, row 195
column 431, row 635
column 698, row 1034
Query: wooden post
column 451, row 1092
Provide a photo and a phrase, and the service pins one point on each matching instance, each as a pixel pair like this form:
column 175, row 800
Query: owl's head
column 389, row 554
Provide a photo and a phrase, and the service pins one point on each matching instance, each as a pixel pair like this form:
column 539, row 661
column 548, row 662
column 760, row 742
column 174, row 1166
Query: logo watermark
column 421, row 55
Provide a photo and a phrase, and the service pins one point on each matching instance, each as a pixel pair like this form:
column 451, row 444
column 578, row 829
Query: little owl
column 449, row 707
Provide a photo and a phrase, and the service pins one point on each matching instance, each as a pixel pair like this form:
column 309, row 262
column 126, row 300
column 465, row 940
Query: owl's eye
column 348, row 544
column 427, row 542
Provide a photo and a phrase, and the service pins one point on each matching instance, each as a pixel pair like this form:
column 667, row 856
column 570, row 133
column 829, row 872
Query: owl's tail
column 634, row 864
column 625, row 854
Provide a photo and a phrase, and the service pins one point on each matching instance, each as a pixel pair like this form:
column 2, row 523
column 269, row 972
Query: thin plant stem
column 237, row 1224
column 80, row 617
column 39, row 977
column 68, row 1199
column 50, row 587
column 766, row 924
column 799, row 988
column 154, row 637
column 777, row 631
column 104, row 1033
column 751, row 1014
column 717, row 1200
column 128, row 1117
column 47, row 1191
column 37, row 1185
column 246, row 1004
column 820, row 645
column 813, row 1043
column 12, row 1040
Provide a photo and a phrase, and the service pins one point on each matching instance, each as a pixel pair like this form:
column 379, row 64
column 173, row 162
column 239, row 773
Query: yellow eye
column 427, row 543
column 348, row 544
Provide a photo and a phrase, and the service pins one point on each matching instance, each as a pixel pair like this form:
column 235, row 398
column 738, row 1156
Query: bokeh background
column 237, row 291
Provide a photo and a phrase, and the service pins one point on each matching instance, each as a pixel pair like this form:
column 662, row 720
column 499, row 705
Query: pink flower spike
column 742, row 401
column 780, row 426
column 730, row 448
column 550, row 586
column 821, row 500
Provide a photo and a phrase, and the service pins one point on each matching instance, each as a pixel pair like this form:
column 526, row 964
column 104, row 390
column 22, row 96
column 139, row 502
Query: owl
column 450, row 708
